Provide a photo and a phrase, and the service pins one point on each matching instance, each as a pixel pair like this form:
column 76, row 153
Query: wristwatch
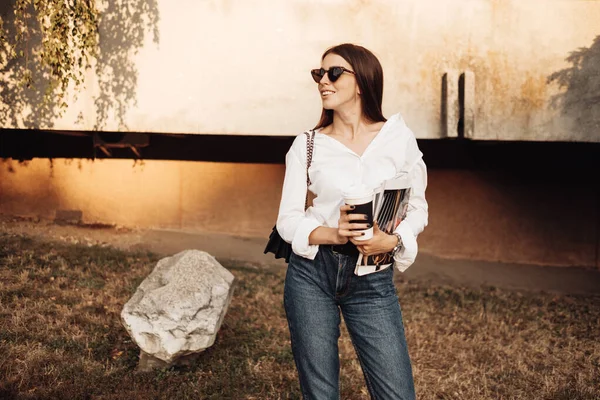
column 398, row 246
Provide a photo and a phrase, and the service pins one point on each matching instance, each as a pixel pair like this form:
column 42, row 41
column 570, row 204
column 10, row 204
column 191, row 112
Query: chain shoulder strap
column 310, row 145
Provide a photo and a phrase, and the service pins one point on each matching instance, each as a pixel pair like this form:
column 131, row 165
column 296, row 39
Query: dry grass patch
column 61, row 337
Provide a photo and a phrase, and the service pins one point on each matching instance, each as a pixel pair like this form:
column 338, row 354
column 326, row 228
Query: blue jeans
column 315, row 292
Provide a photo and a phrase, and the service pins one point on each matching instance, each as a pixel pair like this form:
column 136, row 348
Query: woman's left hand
column 380, row 243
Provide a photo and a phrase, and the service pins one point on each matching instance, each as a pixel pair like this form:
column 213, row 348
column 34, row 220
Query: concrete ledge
column 248, row 252
column 428, row 267
column 566, row 280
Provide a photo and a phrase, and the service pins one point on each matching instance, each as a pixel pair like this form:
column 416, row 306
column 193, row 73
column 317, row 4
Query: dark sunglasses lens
column 334, row 73
column 317, row 74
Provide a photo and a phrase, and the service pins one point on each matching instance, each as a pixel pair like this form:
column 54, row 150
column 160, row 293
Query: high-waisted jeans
column 315, row 292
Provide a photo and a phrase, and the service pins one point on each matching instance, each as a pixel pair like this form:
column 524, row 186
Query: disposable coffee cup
column 363, row 204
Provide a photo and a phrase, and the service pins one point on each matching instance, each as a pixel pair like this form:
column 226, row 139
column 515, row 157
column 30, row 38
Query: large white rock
column 178, row 309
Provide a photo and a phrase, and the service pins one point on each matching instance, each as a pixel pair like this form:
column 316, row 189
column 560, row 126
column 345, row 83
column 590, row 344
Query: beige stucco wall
column 241, row 67
column 475, row 215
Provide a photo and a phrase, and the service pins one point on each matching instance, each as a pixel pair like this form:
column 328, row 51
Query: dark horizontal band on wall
column 438, row 153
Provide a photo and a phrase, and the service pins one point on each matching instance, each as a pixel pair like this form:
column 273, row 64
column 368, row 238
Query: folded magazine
column 390, row 204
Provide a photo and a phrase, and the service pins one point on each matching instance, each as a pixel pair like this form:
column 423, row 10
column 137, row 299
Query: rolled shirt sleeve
column 417, row 214
column 293, row 224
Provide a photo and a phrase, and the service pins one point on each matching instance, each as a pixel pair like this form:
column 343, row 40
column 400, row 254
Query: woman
column 353, row 145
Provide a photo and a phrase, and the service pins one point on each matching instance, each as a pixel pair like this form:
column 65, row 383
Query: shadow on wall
column 122, row 27
column 580, row 102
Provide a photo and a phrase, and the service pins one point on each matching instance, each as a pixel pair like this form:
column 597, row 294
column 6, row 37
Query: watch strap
column 398, row 246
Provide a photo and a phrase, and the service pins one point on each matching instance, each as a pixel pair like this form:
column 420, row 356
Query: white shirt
column 335, row 168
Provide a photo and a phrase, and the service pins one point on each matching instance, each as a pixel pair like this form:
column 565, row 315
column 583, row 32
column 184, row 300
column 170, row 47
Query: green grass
column 61, row 336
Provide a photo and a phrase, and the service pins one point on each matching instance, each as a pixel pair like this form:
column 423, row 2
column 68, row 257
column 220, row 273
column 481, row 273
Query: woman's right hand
column 347, row 223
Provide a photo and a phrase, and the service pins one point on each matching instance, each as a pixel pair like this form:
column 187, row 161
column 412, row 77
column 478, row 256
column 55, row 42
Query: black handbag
column 276, row 245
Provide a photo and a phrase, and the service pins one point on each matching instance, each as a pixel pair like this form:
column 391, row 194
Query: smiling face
column 344, row 92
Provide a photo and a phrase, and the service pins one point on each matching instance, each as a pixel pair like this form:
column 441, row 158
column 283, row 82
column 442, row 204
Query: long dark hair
column 369, row 77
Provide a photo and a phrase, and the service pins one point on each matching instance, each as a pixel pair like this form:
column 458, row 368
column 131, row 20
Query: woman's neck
column 349, row 123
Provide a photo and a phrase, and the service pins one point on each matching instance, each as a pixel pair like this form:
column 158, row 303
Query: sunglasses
column 333, row 73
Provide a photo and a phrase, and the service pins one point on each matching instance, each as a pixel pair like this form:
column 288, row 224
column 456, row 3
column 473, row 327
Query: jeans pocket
column 381, row 283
